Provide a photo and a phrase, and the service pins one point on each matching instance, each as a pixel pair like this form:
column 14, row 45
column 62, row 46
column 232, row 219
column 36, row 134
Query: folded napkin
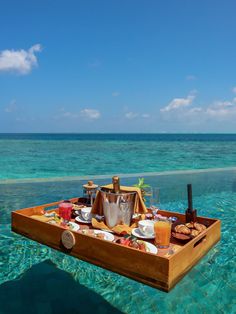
column 118, row 229
column 139, row 206
column 42, row 218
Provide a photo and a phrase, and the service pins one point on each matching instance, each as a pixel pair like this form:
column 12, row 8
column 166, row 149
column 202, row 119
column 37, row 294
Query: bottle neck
column 116, row 184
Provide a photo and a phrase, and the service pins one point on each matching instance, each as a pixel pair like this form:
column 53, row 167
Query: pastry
column 182, row 229
column 199, row 227
column 194, row 232
column 190, row 225
column 91, row 232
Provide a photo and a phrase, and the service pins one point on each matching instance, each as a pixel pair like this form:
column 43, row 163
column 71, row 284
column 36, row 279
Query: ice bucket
column 118, row 208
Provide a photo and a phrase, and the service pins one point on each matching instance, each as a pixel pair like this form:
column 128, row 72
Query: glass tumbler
column 155, row 200
column 65, row 210
column 162, row 228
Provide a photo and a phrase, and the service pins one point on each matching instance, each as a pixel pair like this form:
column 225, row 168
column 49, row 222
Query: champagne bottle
column 116, row 184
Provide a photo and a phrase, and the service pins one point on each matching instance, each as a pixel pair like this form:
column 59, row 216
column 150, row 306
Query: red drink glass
column 65, row 210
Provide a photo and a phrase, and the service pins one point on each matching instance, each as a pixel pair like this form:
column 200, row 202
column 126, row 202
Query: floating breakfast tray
column 162, row 270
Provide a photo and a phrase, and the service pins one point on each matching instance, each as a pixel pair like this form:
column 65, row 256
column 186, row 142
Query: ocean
column 41, row 168
column 60, row 155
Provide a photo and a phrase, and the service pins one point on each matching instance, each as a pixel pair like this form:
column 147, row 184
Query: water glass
column 155, row 200
column 147, row 194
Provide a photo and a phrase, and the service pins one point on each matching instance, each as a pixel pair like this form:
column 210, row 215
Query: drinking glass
column 65, row 210
column 147, row 194
column 162, row 228
column 155, row 200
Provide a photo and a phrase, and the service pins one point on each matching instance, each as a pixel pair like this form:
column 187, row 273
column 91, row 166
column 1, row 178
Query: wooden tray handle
column 199, row 241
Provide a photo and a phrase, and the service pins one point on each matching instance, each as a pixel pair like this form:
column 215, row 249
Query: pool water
column 57, row 283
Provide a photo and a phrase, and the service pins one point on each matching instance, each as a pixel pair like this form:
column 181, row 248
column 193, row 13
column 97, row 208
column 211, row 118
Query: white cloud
column 92, row 114
column 115, row 94
column 195, row 110
column 180, row 110
column 145, row 115
column 21, row 119
column 19, row 61
column 222, row 109
column 178, row 103
column 234, row 89
column 223, row 104
column 191, row 77
column 131, row 115
column 12, row 107
column 71, row 115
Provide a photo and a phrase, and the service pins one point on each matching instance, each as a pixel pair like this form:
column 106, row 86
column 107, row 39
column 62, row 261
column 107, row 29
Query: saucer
column 138, row 234
column 82, row 220
column 78, row 212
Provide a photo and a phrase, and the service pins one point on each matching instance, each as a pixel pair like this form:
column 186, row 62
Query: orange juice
column 162, row 230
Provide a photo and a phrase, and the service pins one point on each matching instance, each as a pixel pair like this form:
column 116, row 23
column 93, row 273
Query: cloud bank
column 87, row 114
column 19, row 61
column 182, row 111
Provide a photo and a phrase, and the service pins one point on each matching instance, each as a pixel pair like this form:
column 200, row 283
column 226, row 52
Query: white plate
column 151, row 248
column 82, row 220
column 108, row 236
column 110, row 231
column 75, row 226
column 136, row 232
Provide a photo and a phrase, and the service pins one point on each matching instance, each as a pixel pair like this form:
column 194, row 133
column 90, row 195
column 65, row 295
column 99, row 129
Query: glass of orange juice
column 162, row 228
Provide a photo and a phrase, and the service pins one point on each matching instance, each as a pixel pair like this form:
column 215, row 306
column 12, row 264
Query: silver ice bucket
column 118, row 208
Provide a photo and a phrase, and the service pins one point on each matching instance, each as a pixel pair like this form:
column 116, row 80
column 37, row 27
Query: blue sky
column 118, row 66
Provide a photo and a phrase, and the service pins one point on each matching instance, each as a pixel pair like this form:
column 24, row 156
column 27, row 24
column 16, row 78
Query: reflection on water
column 211, row 284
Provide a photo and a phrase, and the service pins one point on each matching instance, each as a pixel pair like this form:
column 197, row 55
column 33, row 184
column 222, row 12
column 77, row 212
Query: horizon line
column 159, row 133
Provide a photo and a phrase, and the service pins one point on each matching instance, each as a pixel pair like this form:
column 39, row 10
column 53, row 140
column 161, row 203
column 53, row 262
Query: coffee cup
column 146, row 227
column 86, row 213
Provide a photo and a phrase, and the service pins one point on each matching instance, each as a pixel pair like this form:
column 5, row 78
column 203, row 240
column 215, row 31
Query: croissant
column 190, row 225
column 194, row 232
column 182, row 229
column 199, row 227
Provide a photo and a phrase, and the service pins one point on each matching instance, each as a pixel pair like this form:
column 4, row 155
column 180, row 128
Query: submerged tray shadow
column 47, row 289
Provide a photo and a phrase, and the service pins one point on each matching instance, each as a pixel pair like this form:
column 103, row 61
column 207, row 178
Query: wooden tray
column 161, row 271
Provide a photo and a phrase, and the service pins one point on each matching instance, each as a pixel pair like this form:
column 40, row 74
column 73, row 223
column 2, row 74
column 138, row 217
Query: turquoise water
column 37, row 279
column 59, row 155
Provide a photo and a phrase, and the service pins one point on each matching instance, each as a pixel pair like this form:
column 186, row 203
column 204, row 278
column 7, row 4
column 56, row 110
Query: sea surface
column 60, row 155
column 37, row 279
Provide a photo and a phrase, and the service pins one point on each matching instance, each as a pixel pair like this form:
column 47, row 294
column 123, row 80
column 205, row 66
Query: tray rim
column 166, row 267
